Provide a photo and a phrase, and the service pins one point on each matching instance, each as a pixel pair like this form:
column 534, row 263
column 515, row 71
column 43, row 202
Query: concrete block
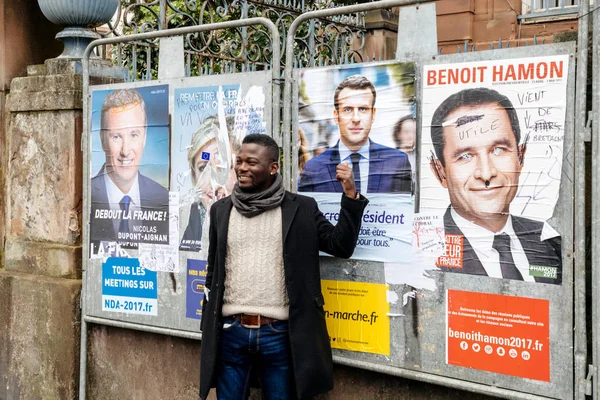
column 41, row 258
column 39, row 337
column 481, row 7
column 503, row 26
column 454, row 6
column 358, row 384
column 49, row 100
column 36, row 69
column 98, row 67
column 131, row 365
column 381, row 19
column 53, row 83
column 44, row 176
column 455, row 27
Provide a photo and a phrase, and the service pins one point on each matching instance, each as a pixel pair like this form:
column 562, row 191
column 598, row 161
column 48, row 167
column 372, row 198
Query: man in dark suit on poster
column 127, row 207
column 478, row 158
column 376, row 168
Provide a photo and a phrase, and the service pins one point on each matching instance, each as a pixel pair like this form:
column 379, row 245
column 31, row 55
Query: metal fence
column 325, row 41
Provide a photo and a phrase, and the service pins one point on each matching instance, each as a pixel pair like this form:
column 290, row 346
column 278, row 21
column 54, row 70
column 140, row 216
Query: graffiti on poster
column 208, row 127
column 491, row 162
column 130, row 164
column 128, row 287
column 363, row 116
column 497, row 333
column 356, row 314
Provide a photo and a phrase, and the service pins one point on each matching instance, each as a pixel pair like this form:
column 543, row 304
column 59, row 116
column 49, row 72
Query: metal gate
column 418, row 317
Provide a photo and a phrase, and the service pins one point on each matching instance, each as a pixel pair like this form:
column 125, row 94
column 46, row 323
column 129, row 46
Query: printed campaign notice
column 196, row 278
column 364, row 117
column 386, row 227
column 128, row 288
column 491, row 164
column 209, row 124
column 497, row 333
column 356, row 316
column 129, row 168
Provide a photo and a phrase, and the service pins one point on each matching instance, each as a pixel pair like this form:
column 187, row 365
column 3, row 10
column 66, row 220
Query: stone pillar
column 26, row 37
column 381, row 36
column 41, row 280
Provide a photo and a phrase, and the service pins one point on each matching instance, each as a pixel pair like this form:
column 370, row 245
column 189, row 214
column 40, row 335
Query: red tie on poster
column 504, row 334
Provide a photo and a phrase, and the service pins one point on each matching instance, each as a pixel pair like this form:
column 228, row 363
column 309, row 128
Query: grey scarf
column 252, row 204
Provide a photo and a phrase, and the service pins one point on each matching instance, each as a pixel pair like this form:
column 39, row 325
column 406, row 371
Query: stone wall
column 26, row 37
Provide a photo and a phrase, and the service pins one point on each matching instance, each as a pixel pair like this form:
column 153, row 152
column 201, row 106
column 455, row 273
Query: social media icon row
column 501, row 351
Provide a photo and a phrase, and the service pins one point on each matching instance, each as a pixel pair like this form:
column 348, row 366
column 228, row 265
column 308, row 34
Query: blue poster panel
column 128, row 288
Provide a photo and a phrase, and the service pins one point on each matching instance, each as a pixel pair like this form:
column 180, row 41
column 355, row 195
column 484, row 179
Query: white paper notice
column 428, row 233
column 164, row 257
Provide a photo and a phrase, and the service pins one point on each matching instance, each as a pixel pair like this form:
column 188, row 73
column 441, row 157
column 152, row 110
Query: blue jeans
column 265, row 350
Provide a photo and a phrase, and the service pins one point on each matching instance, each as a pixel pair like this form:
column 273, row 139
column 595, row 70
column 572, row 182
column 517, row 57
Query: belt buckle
column 250, row 326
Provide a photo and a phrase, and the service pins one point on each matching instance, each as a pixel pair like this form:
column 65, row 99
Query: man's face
column 482, row 162
column 123, row 139
column 254, row 168
column 354, row 116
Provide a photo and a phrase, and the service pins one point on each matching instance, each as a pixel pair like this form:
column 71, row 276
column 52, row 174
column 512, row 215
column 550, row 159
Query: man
column 478, row 158
column 119, row 190
column 377, row 168
column 263, row 309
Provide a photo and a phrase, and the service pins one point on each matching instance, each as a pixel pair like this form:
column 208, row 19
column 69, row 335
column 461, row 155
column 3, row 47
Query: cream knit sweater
column 254, row 280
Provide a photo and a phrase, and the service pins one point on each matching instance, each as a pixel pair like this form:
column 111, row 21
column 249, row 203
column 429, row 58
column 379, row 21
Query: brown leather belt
column 253, row 321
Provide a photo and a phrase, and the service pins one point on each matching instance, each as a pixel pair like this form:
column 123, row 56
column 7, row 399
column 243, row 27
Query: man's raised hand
column 345, row 176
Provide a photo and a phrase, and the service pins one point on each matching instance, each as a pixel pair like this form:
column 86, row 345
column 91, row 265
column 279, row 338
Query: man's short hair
column 122, row 100
column 264, row 141
column 356, row 82
column 469, row 98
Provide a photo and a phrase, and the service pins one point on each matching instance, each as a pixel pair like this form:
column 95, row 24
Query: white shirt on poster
column 363, row 164
column 115, row 195
column 481, row 241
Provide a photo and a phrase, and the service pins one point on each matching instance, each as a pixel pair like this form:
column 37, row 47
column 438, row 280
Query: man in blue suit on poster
column 376, row 168
column 127, row 207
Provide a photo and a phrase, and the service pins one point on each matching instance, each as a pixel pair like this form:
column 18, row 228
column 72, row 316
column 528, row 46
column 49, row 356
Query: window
column 538, row 8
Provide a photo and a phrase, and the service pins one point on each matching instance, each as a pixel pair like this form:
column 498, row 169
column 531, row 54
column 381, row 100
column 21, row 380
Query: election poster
column 209, row 123
column 491, row 162
column 128, row 287
column 129, row 168
column 363, row 117
column 194, row 296
column 497, row 333
column 356, row 314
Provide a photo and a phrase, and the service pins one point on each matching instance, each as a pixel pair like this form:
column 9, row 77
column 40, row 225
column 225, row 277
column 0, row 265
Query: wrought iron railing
column 319, row 42
column 548, row 8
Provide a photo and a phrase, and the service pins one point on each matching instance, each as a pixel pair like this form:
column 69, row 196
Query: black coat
column 305, row 231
